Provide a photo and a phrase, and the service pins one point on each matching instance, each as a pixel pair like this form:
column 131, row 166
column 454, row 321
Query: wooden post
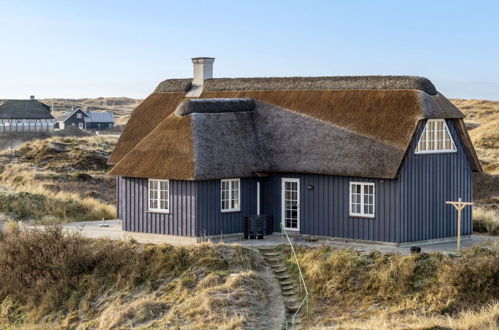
column 459, row 205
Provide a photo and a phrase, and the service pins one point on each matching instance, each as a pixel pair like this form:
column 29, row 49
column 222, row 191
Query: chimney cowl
column 203, row 69
column 31, row 97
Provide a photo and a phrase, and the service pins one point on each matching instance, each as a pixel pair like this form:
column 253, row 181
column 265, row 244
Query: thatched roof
column 364, row 131
column 302, row 83
column 24, row 109
column 155, row 108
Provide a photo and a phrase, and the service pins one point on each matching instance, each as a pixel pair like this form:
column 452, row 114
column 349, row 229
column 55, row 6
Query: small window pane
column 230, row 195
column 435, row 137
column 362, row 199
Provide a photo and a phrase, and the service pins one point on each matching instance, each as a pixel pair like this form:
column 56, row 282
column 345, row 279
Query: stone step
column 267, row 248
column 271, row 254
column 272, row 260
column 292, row 308
column 286, row 282
column 291, row 300
column 279, row 270
column 289, row 293
column 287, row 287
column 283, row 276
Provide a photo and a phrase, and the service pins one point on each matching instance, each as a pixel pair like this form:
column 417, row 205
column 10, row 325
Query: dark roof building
column 24, row 109
column 25, row 116
column 86, row 119
column 345, row 132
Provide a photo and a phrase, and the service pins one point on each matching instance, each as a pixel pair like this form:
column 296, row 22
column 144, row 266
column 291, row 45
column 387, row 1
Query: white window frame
column 80, row 125
column 426, row 132
column 230, row 197
column 362, row 214
column 79, row 115
column 158, row 198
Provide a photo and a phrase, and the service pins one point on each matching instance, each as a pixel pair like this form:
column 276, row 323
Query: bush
column 434, row 282
column 50, row 272
column 26, row 205
column 485, row 221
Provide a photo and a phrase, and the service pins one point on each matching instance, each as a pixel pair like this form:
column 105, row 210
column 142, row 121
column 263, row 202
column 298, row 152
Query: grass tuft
column 486, row 221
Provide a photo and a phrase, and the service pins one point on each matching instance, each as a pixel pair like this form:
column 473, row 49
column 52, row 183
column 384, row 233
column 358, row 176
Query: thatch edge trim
column 468, row 145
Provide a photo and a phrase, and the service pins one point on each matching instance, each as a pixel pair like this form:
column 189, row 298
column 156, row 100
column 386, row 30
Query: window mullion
column 362, row 199
column 158, row 195
column 230, row 195
column 427, row 128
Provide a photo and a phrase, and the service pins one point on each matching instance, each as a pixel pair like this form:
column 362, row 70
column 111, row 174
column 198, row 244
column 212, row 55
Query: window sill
column 230, row 211
column 435, row 152
column 158, row 211
column 361, row 216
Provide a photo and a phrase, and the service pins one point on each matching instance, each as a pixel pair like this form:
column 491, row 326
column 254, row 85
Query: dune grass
column 55, row 279
column 486, row 220
column 59, row 179
column 352, row 289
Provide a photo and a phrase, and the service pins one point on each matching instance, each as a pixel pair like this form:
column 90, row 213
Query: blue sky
column 124, row 48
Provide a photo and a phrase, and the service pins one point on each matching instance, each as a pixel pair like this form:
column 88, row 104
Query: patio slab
column 113, row 231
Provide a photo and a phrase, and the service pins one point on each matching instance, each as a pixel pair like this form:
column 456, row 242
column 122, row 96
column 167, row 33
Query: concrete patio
column 113, row 230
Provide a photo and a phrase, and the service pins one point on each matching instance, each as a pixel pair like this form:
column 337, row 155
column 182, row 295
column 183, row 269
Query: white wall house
column 25, row 116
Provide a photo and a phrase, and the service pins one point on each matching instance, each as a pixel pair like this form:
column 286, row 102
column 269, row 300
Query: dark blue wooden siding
column 426, row 182
column 132, row 208
column 210, row 219
column 75, row 120
column 324, row 210
column 409, row 208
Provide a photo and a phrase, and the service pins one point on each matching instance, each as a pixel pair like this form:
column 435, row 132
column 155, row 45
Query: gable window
column 159, row 195
column 78, row 115
column 435, row 138
column 230, row 195
column 362, row 199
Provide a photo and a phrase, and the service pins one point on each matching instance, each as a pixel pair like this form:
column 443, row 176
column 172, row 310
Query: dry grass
column 486, row 220
column 485, row 318
column 350, row 287
column 67, row 280
column 482, row 120
column 58, row 179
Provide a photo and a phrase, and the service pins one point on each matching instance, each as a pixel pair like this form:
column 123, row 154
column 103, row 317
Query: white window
column 230, row 195
column 362, row 199
column 80, row 125
column 435, row 138
column 159, row 195
column 78, row 115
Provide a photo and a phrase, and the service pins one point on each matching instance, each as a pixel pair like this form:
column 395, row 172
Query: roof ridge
column 370, row 82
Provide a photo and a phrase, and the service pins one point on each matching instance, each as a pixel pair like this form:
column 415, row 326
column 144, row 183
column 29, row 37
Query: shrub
column 50, row 272
column 485, row 221
column 39, row 206
column 434, row 282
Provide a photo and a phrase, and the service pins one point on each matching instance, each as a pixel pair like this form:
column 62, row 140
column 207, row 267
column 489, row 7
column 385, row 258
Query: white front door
column 290, row 204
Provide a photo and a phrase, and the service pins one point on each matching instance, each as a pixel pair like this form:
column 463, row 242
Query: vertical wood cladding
column 409, row 208
column 132, row 208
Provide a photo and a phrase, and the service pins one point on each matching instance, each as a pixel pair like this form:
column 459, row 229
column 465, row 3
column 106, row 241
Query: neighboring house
column 25, row 116
column 371, row 158
column 86, row 119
